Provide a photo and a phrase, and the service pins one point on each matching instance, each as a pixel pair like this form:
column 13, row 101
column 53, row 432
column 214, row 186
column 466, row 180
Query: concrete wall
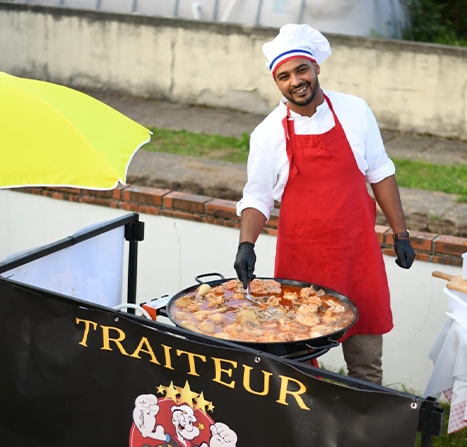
column 411, row 87
column 175, row 251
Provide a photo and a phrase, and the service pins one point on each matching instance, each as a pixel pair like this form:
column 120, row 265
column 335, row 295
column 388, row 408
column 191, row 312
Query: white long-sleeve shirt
column 268, row 165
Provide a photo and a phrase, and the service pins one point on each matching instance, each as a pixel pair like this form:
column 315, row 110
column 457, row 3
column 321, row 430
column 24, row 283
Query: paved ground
column 425, row 211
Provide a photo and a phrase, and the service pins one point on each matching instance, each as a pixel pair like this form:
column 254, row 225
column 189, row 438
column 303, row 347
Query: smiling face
column 297, row 79
column 183, row 423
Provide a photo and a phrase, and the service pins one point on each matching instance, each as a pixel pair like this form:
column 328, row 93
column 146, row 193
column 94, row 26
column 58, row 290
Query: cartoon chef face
column 182, row 419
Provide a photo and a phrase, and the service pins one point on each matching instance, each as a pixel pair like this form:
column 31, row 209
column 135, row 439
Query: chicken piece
column 247, row 315
column 334, row 306
column 216, row 300
column 290, row 298
column 306, row 315
column 202, row 315
column 183, row 301
column 329, row 317
column 273, row 287
column 238, row 296
column 215, row 317
column 273, row 301
column 207, row 326
column 203, row 289
column 257, row 287
column 219, row 290
column 180, row 315
column 312, row 299
column 194, row 306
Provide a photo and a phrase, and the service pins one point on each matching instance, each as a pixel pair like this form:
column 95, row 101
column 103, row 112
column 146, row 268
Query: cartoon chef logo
column 178, row 420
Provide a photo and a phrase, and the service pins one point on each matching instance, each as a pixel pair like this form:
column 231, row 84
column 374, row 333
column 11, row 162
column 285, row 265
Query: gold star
column 201, row 403
column 211, row 407
column 186, row 395
column 161, row 389
column 171, row 392
column 201, row 426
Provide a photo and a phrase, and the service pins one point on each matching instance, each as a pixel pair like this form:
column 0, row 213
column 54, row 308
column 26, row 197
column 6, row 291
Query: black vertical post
column 134, row 232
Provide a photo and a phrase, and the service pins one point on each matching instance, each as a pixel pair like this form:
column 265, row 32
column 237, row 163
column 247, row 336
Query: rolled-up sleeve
column 258, row 192
column 380, row 165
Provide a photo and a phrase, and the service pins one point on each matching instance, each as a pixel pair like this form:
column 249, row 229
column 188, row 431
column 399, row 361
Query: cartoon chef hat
column 296, row 41
column 185, row 409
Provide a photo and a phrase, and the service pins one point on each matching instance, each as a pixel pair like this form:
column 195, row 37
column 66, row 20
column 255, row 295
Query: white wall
column 410, row 87
column 353, row 17
column 175, row 251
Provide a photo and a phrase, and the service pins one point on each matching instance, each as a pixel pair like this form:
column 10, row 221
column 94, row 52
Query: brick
column 270, row 231
column 186, row 202
column 447, row 260
column 64, row 189
column 37, row 191
column 381, row 231
column 450, row 245
column 222, row 208
column 422, row 241
column 53, row 194
column 99, row 201
column 181, row 215
column 423, row 257
column 107, row 194
column 145, row 194
column 154, row 211
column 128, row 206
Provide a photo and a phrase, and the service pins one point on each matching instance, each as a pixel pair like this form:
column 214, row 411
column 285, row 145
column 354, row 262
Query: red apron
column 326, row 231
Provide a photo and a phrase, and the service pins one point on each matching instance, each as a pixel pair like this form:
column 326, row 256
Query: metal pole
column 216, row 10
column 177, row 2
column 98, row 4
column 134, row 6
column 301, row 11
column 134, row 232
column 258, row 12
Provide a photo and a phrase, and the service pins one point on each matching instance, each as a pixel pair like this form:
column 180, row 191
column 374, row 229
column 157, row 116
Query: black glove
column 245, row 262
column 405, row 253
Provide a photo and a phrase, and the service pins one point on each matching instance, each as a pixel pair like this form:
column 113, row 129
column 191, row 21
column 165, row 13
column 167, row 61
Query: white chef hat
column 186, row 410
column 296, row 41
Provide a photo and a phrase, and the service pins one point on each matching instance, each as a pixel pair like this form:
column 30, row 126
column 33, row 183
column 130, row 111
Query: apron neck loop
column 289, row 133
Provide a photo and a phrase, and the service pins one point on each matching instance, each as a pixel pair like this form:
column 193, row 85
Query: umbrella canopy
column 51, row 135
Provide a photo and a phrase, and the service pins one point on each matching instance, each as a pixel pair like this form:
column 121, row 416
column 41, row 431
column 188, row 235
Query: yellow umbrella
column 51, row 135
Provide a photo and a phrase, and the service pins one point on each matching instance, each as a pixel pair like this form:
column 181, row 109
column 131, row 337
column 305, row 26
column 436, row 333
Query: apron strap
column 289, row 133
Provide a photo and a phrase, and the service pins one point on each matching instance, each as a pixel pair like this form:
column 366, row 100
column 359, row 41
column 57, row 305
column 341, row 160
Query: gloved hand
column 405, row 253
column 245, row 262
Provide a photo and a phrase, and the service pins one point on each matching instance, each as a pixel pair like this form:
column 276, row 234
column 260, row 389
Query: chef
column 314, row 153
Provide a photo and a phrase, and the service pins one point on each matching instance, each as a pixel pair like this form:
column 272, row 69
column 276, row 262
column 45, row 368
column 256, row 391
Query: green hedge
column 437, row 21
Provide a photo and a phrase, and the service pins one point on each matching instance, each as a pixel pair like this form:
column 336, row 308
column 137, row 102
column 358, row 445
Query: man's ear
column 317, row 68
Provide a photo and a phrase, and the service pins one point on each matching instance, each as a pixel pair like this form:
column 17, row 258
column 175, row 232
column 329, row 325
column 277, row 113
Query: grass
column 410, row 174
column 421, row 175
column 181, row 142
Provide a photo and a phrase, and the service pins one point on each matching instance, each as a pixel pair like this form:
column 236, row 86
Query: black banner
column 76, row 375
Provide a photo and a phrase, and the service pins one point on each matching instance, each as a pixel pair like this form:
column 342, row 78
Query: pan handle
column 163, row 312
column 332, row 344
column 197, row 278
column 309, row 356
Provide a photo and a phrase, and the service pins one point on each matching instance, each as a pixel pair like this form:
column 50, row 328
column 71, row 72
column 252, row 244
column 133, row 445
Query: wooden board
column 456, row 282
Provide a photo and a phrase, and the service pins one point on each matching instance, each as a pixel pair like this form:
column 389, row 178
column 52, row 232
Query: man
column 314, row 153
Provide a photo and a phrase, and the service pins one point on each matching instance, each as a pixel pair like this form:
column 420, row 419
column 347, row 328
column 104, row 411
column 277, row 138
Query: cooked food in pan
column 286, row 313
